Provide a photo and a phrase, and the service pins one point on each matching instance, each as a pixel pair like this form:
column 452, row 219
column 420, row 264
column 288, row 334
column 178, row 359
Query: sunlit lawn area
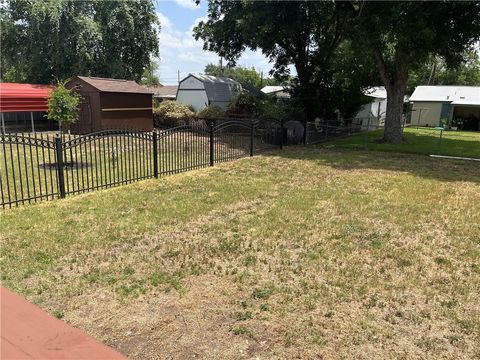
column 419, row 141
column 306, row 253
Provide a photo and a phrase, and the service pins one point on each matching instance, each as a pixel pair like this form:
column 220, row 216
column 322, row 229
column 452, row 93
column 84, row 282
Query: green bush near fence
column 418, row 141
column 244, row 104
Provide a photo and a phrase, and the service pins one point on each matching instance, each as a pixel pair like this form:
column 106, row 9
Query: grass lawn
column 306, row 253
column 419, row 141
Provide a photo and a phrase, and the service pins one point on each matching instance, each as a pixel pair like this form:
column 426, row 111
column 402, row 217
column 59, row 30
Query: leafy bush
column 244, row 104
column 172, row 113
column 271, row 110
column 211, row 111
column 63, row 105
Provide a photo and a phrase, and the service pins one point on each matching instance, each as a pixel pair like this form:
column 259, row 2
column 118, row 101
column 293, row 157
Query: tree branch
column 380, row 62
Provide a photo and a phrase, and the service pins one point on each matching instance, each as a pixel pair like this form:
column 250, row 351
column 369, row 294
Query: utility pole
column 178, row 76
column 261, row 79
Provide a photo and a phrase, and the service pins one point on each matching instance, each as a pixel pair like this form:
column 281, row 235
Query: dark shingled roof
column 115, row 85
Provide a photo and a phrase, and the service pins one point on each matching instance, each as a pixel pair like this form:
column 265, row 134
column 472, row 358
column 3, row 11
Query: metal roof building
column 455, row 95
column 455, row 106
column 200, row 91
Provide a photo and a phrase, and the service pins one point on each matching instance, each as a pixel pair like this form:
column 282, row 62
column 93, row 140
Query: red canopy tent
column 23, row 97
column 16, row 99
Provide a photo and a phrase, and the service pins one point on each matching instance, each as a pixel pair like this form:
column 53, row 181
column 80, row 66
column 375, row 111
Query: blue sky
column 178, row 49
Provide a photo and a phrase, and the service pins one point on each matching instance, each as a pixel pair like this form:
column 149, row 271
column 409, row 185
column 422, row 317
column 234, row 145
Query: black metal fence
column 44, row 166
column 323, row 131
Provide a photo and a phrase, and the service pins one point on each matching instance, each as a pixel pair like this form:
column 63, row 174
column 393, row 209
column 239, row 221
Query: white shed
column 374, row 112
column 200, row 91
column 435, row 105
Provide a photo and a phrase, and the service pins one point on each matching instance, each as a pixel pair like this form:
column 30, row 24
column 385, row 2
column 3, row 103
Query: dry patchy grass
column 308, row 253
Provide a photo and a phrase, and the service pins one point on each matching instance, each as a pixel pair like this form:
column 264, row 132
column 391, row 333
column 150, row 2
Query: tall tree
column 400, row 36
column 47, row 39
column 303, row 33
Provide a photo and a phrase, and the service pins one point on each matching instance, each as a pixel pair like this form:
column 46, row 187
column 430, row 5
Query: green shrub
column 172, row 113
column 244, row 104
column 211, row 111
column 271, row 110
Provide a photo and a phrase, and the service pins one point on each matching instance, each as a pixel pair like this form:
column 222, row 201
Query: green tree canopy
column 47, row 39
column 304, row 34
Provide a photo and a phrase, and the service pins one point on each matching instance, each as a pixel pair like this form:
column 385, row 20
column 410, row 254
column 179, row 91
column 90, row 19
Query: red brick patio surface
column 28, row 332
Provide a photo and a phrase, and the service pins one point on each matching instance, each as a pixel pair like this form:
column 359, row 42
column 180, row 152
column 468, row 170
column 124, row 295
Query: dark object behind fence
column 36, row 167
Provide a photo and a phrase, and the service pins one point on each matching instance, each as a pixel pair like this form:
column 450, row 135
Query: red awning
column 23, row 97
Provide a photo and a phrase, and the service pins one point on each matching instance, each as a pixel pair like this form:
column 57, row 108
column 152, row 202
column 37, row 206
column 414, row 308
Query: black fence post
column 281, row 134
column 305, row 131
column 212, row 149
column 252, row 129
column 61, row 175
column 440, row 143
column 155, row 153
column 366, row 134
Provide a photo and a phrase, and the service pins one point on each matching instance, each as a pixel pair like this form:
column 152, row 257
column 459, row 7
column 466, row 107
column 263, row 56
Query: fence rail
column 35, row 167
column 325, row 131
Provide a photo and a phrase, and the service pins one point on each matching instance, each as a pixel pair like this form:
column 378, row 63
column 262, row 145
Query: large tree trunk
column 393, row 120
column 395, row 80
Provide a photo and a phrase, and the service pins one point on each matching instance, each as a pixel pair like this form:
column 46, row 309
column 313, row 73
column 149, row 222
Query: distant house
column 439, row 105
column 200, row 91
column 112, row 104
column 373, row 113
column 280, row 92
column 164, row 92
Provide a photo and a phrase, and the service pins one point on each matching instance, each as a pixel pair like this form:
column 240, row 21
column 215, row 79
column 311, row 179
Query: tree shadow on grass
column 418, row 165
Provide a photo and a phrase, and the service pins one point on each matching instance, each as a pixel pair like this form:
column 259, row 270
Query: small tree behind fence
column 63, row 105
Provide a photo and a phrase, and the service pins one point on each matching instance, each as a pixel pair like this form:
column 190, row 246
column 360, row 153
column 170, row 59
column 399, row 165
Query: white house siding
column 429, row 114
column 191, row 91
column 375, row 111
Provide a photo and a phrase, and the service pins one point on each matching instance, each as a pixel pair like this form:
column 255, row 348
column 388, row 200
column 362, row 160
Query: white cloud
column 188, row 4
column 164, row 21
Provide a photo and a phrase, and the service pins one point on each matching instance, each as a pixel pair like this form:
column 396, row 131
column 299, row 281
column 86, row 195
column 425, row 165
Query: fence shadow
column 418, row 165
